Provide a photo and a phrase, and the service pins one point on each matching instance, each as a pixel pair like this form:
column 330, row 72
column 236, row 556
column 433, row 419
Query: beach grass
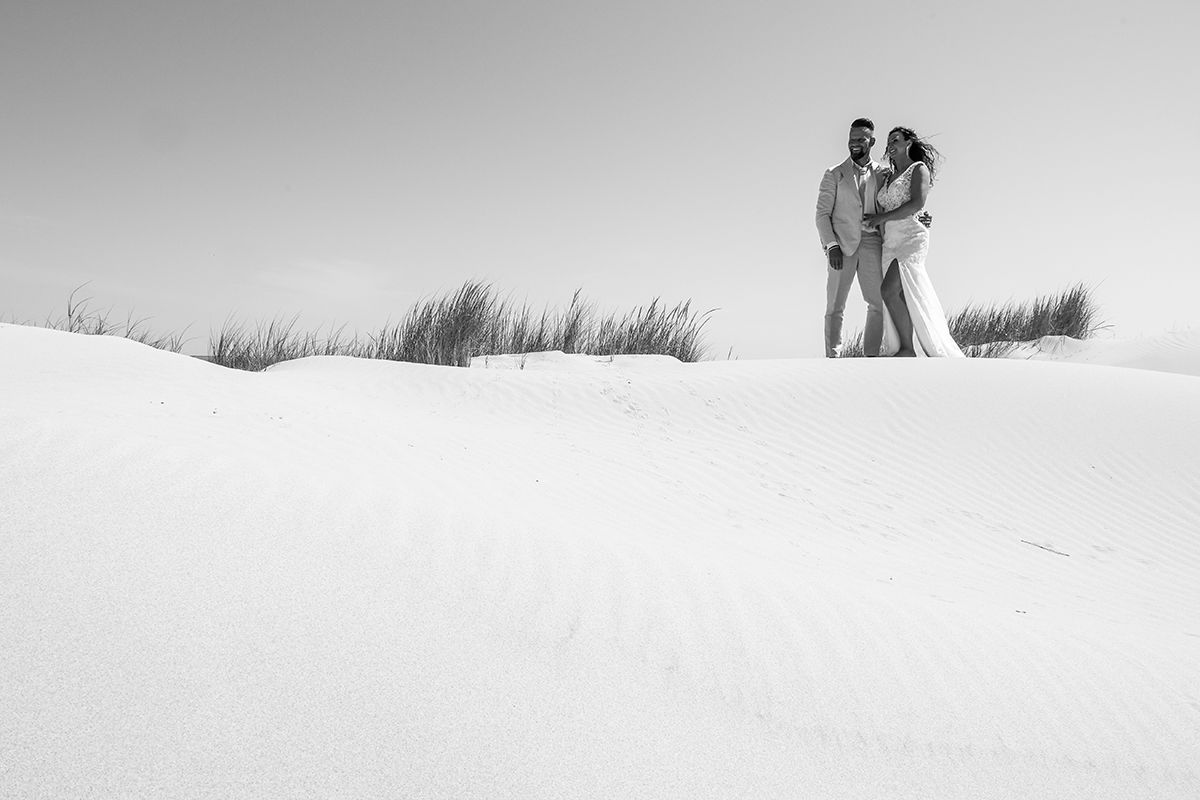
column 473, row 321
column 451, row 329
column 81, row 317
column 992, row 330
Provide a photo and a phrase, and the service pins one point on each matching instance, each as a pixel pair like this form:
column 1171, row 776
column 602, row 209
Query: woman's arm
column 914, row 204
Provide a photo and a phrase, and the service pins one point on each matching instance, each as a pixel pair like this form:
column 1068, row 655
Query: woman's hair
column 919, row 149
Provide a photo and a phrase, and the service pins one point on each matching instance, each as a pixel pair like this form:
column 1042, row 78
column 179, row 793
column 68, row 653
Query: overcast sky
column 196, row 161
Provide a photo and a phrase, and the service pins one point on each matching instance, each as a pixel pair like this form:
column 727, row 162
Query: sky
column 194, row 163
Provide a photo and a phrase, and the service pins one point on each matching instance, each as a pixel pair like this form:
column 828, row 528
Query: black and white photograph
column 556, row 399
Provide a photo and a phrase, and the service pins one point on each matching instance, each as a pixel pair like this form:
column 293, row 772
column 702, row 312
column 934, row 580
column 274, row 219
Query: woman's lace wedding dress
column 906, row 242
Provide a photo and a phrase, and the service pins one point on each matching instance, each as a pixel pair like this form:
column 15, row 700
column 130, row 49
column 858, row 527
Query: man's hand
column 925, row 218
column 835, row 257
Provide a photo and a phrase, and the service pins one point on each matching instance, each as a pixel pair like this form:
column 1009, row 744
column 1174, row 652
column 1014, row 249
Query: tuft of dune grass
column 474, row 321
column 81, row 318
column 253, row 349
column 993, row 330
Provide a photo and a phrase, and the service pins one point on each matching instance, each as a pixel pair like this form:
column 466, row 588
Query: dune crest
column 1176, row 351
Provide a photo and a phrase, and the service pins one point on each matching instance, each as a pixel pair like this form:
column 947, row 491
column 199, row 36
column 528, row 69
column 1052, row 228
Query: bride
column 914, row 323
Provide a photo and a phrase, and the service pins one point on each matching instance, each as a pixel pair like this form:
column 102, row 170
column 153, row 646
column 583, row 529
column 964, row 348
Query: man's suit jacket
column 840, row 209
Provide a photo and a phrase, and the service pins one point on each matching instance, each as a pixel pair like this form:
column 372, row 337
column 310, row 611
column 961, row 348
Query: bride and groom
column 872, row 224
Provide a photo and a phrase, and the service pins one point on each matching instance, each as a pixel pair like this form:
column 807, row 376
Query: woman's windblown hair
column 920, row 150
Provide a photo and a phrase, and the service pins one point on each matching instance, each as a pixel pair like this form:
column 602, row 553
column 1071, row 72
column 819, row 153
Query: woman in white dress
column 914, row 323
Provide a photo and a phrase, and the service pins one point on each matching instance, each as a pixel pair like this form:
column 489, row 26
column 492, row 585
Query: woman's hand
column 875, row 220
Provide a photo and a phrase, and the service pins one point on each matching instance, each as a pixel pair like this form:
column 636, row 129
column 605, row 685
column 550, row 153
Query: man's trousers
column 867, row 263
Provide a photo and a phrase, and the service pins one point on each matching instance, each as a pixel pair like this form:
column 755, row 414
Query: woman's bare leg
column 893, row 298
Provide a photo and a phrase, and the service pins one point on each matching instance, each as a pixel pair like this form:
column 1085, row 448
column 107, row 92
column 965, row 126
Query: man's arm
column 825, row 200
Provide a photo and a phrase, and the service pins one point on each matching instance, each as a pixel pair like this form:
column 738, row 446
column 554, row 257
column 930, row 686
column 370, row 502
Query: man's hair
column 863, row 122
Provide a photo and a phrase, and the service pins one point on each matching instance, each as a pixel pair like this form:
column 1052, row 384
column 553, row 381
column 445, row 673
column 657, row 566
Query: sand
column 593, row 578
column 1175, row 351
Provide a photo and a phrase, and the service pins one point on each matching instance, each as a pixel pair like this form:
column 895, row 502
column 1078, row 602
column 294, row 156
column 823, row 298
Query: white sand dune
column 1177, row 351
column 775, row 579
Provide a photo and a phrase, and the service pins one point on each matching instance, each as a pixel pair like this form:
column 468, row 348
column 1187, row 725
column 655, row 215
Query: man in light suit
column 847, row 192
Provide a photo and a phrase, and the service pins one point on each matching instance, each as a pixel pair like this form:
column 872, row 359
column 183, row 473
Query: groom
column 847, row 192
